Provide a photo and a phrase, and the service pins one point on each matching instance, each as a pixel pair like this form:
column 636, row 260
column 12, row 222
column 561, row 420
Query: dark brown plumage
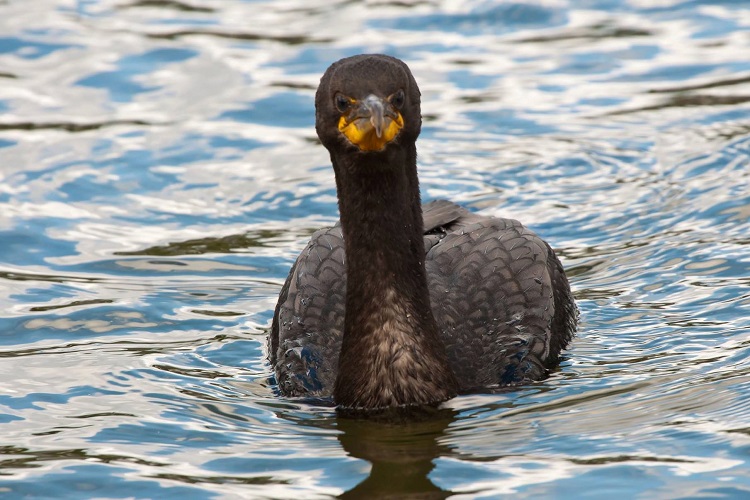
column 403, row 304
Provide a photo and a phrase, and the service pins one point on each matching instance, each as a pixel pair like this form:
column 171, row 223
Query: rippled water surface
column 159, row 173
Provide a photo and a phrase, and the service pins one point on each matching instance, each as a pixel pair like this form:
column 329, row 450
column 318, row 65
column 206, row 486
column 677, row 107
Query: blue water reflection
column 293, row 108
column 494, row 19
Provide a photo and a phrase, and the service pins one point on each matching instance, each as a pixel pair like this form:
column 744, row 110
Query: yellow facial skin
column 361, row 126
column 362, row 134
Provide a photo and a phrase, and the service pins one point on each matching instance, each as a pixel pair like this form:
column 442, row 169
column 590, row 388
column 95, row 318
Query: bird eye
column 397, row 99
column 342, row 102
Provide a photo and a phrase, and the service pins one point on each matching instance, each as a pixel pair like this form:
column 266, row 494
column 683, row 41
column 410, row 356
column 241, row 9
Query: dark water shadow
column 199, row 246
column 241, row 36
column 594, row 32
column 234, row 243
column 168, row 4
column 687, row 101
column 725, row 82
column 402, row 450
column 402, row 454
column 72, row 126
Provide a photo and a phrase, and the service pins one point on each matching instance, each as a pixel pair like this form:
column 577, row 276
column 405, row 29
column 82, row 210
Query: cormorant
column 404, row 304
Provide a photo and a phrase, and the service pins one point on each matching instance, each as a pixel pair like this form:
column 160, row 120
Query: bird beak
column 375, row 107
column 371, row 123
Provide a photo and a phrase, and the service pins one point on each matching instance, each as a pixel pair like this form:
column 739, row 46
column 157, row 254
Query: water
column 159, row 173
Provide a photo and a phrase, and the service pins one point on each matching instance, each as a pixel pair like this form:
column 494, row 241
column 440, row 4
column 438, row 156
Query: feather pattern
column 499, row 295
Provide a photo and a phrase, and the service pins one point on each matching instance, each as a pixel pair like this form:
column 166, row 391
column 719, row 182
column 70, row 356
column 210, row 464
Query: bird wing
column 492, row 292
column 308, row 323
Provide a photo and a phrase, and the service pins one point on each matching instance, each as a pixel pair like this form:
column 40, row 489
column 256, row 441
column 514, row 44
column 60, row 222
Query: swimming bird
column 401, row 303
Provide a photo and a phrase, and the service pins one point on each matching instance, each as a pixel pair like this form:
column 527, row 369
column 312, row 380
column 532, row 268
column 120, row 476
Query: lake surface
column 159, row 173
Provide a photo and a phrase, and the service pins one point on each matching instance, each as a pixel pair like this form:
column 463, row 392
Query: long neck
column 391, row 352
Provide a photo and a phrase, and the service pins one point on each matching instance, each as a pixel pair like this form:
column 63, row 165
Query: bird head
column 367, row 103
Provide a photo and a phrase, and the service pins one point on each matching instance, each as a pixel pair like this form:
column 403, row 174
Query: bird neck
column 381, row 217
column 391, row 352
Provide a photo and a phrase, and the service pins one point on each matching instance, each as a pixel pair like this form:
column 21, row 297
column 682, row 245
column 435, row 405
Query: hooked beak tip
column 377, row 114
column 378, row 126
